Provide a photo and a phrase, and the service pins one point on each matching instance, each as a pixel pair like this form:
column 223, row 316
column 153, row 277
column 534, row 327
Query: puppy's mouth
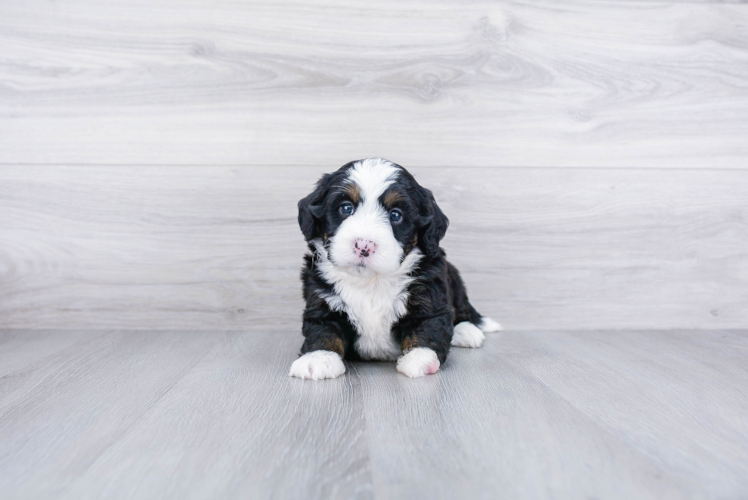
column 360, row 265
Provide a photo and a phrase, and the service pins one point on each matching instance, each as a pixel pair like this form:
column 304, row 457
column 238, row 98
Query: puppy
column 376, row 284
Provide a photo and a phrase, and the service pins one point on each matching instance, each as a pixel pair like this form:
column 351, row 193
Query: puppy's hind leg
column 469, row 324
column 467, row 334
column 487, row 325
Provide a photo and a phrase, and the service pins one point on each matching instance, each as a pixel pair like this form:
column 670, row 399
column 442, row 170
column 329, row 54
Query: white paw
column 317, row 365
column 487, row 325
column 418, row 362
column 467, row 335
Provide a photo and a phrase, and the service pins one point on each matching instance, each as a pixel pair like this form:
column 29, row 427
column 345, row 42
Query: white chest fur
column 373, row 302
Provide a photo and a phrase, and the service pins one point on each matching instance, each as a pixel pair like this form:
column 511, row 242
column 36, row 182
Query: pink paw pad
column 432, row 368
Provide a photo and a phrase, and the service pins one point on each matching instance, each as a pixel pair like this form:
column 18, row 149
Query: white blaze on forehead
column 370, row 221
column 373, row 176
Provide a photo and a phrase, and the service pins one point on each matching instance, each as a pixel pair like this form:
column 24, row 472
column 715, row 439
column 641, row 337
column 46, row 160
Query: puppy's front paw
column 467, row 334
column 317, row 365
column 418, row 362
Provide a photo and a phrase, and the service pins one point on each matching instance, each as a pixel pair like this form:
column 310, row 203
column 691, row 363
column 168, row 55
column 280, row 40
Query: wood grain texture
column 104, row 424
column 549, row 415
column 219, row 247
column 537, row 414
column 20, row 348
column 605, row 83
column 94, row 391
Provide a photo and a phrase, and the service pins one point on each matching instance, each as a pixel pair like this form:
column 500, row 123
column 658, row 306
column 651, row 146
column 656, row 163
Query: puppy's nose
column 364, row 248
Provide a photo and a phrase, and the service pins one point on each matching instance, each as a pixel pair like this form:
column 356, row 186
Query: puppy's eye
column 346, row 208
column 396, row 216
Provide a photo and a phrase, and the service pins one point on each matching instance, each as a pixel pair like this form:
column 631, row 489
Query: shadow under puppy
column 376, row 284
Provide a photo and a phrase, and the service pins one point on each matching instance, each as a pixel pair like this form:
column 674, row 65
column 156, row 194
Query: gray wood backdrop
column 592, row 156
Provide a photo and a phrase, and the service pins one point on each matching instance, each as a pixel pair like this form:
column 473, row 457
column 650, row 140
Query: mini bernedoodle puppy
column 376, row 283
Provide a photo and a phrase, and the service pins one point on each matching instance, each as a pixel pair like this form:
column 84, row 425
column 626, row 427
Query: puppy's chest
column 373, row 306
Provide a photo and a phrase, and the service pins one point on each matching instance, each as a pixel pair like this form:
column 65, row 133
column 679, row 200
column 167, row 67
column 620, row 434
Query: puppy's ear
column 311, row 209
column 433, row 224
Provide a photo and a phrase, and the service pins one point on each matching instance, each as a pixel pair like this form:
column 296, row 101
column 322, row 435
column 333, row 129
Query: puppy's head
column 369, row 214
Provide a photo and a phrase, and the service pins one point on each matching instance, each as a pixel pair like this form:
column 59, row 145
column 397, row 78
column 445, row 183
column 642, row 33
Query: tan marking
column 353, row 192
column 410, row 246
column 409, row 343
column 391, row 198
column 334, row 345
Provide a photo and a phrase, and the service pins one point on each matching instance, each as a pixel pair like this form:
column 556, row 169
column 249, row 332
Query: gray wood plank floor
column 536, row 414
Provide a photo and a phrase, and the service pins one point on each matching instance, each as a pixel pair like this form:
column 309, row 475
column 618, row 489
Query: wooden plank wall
column 592, row 156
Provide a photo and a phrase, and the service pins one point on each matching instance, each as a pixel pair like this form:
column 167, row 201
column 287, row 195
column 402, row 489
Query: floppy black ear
column 433, row 224
column 311, row 210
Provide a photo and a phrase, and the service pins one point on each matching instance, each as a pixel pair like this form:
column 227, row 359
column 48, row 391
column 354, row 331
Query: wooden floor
column 541, row 414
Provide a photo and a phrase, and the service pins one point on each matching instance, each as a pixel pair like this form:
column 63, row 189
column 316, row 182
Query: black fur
column 437, row 297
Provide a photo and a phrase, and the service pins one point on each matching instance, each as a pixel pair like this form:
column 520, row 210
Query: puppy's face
column 369, row 215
